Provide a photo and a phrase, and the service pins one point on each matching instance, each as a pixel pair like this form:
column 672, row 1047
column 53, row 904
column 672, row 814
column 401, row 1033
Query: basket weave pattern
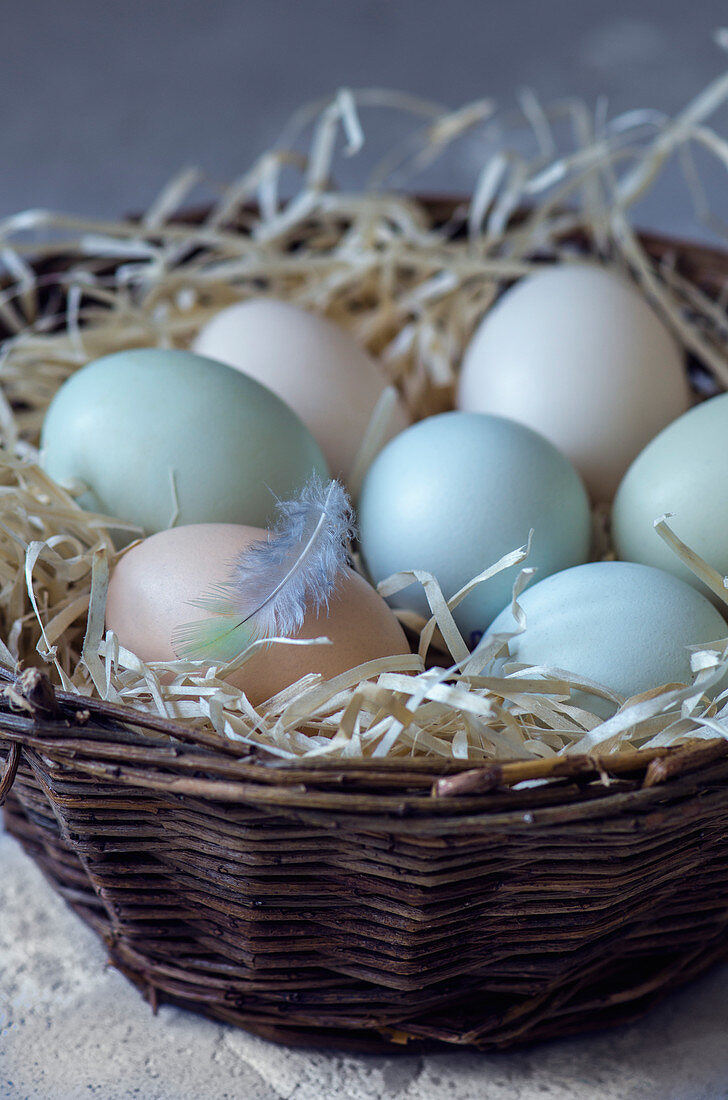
column 376, row 904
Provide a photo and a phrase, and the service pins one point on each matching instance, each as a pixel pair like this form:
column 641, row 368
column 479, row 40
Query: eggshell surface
column 312, row 364
column 623, row 625
column 683, row 471
column 575, row 352
column 155, row 433
column 153, row 584
column 454, row 493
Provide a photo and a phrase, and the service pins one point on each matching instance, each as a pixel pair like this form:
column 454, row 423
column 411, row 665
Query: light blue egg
column 454, row 493
column 623, row 625
column 148, row 427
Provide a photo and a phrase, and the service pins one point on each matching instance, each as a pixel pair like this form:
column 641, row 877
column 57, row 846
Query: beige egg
column 153, row 586
column 575, row 352
column 312, row 364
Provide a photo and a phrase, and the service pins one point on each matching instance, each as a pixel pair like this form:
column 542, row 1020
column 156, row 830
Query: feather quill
column 274, row 582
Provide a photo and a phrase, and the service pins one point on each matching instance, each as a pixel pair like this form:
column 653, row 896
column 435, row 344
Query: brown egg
column 152, row 587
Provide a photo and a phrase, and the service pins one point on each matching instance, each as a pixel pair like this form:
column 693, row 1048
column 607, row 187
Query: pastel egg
column 683, row 471
column 312, row 364
column 154, row 584
column 625, row 626
column 454, row 493
column 576, row 353
column 159, row 436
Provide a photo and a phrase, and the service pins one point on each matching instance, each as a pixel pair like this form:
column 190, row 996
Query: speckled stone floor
column 71, row 1028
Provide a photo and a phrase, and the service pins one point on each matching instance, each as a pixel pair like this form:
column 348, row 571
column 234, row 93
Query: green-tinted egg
column 155, row 432
column 682, row 472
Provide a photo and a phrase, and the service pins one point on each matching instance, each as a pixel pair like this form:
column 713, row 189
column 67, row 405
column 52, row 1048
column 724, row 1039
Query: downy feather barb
column 274, row 582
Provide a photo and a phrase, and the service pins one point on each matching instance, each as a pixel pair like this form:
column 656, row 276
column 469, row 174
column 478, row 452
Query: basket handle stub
column 32, row 692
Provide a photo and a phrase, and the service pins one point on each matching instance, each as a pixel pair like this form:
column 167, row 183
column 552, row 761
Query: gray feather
column 276, row 581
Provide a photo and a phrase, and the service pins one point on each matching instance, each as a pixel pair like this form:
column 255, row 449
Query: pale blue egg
column 623, row 625
column 158, row 435
column 454, row 493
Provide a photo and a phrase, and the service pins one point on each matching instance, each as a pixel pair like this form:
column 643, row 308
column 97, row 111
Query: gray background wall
column 103, row 101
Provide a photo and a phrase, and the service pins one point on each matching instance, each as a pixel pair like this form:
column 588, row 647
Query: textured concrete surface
column 70, row 1028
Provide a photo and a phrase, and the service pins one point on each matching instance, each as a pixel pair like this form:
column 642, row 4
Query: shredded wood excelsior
column 410, row 292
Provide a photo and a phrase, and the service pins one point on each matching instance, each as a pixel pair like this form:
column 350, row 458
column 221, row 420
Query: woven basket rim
column 445, row 205
column 103, row 744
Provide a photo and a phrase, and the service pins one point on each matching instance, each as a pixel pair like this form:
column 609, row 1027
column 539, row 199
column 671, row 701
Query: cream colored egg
column 313, row 365
column 577, row 354
column 153, row 586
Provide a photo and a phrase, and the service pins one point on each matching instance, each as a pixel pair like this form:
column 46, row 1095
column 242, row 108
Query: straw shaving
column 373, row 262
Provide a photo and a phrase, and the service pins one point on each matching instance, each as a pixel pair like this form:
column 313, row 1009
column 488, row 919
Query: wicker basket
column 376, row 904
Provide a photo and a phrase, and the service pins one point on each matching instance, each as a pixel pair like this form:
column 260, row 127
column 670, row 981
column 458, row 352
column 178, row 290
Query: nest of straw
column 410, row 280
